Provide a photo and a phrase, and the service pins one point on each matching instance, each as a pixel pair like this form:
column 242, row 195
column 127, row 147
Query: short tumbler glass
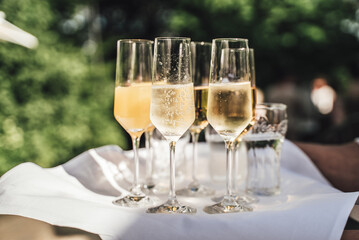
column 264, row 146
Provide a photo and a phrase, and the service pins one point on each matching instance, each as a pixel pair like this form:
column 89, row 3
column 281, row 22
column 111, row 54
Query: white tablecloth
column 79, row 194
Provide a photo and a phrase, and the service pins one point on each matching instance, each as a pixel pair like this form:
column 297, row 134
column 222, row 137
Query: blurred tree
column 299, row 37
column 54, row 104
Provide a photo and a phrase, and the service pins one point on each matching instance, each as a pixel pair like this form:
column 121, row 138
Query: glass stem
column 235, row 167
column 149, row 161
column 136, row 188
column 229, row 169
column 195, row 137
column 172, row 194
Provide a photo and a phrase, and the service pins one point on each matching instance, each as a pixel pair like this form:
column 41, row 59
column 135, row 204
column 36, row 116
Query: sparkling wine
column 132, row 107
column 254, row 99
column 253, row 120
column 229, row 108
column 200, row 104
column 172, row 109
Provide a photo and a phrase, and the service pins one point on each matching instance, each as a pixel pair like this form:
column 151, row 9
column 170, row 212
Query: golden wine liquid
column 200, row 104
column 172, row 109
column 252, row 122
column 150, row 128
column 254, row 100
column 229, row 108
column 132, row 107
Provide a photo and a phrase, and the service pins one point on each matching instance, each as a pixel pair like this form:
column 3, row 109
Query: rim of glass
column 235, row 49
column 230, row 39
column 173, row 38
column 267, row 105
column 135, row 40
column 202, row 43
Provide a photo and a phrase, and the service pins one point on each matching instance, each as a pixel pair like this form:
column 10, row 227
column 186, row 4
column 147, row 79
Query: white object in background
column 10, row 33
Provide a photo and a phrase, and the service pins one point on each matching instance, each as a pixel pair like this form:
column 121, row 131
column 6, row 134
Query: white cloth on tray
column 79, row 194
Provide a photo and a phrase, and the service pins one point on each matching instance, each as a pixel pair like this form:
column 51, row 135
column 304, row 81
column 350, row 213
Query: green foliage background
column 300, row 37
column 54, row 104
column 56, row 100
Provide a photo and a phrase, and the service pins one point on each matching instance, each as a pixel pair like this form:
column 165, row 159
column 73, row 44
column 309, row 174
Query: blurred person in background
column 337, row 157
column 301, row 118
column 339, row 163
column 327, row 103
column 323, row 96
column 345, row 116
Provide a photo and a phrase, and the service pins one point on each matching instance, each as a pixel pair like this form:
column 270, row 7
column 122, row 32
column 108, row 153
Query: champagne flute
column 252, row 79
column 201, row 59
column 241, row 196
column 229, row 107
column 172, row 104
column 132, row 104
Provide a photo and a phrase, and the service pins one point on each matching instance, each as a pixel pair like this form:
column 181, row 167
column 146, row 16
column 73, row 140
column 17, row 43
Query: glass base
column 196, row 190
column 172, row 206
column 149, row 186
column 264, row 191
column 242, row 197
column 155, row 189
column 217, row 198
column 247, row 198
column 134, row 201
column 228, row 205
